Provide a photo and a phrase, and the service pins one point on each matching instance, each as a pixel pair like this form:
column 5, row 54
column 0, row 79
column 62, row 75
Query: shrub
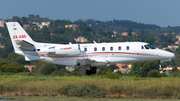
column 86, row 90
column 111, row 75
column 115, row 89
column 64, row 90
column 128, row 94
column 154, row 74
column 75, row 72
column 48, row 69
column 176, row 94
column 1, row 87
column 165, row 92
column 147, row 92
column 12, row 68
column 175, row 74
column 57, row 73
column 103, row 70
column 54, row 95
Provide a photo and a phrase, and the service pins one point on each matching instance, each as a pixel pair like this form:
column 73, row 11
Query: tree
column 130, row 32
column 149, row 40
column 178, row 49
column 175, row 69
column 24, row 20
column 31, row 15
column 142, row 68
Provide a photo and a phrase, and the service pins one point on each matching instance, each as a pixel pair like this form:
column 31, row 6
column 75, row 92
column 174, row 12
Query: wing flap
column 30, row 58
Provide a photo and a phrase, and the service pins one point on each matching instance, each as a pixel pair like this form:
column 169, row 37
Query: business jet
column 88, row 55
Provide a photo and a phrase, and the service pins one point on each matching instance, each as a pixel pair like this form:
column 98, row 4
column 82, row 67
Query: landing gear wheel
column 88, row 72
column 160, row 68
column 93, row 70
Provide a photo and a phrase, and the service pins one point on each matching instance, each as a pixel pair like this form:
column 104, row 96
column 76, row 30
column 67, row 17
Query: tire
column 93, row 70
column 88, row 72
column 160, row 69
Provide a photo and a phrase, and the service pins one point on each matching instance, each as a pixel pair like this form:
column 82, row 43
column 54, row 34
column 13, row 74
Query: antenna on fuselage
column 94, row 42
column 70, row 43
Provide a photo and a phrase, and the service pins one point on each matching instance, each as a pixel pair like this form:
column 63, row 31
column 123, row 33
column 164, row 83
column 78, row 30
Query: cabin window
column 103, row 48
column 95, row 48
column 127, row 47
column 85, row 49
column 119, row 48
column 146, row 47
column 111, row 48
column 142, row 47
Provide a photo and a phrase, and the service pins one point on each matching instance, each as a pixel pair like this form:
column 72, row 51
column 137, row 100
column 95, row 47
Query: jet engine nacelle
column 67, row 50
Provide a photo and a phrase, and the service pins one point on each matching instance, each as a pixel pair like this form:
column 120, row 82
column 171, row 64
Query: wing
column 88, row 61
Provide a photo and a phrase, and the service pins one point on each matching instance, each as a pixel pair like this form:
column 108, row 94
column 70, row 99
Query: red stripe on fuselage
column 119, row 53
column 88, row 53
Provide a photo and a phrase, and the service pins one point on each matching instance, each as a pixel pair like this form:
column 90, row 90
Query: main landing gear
column 160, row 67
column 91, row 71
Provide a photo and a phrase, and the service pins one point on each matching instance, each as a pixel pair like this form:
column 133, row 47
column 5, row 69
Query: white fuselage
column 101, row 53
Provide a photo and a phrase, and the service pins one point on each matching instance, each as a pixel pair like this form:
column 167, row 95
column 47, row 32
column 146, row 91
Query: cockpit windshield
column 146, row 46
column 150, row 46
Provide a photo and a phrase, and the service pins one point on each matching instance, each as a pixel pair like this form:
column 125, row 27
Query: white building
column 2, row 23
column 44, row 24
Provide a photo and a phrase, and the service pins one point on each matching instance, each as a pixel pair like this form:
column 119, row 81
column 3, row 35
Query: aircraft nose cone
column 170, row 55
column 165, row 55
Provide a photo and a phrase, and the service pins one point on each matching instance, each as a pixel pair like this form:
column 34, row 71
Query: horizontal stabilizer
column 30, row 58
column 23, row 43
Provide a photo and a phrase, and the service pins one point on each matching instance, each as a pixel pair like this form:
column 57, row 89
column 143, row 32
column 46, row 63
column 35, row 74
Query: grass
column 125, row 87
column 79, row 99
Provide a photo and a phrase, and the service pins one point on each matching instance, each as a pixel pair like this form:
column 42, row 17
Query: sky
column 159, row 12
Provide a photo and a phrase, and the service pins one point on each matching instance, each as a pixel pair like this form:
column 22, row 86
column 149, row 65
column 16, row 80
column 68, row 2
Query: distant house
column 26, row 27
column 168, row 69
column 166, row 34
column 1, row 46
column 44, row 24
column 125, row 34
column 30, row 67
column 52, row 33
column 36, row 23
column 72, row 26
column 134, row 34
column 123, row 68
column 178, row 37
column 80, row 39
column 2, row 23
column 114, row 32
column 173, row 48
column 69, row 68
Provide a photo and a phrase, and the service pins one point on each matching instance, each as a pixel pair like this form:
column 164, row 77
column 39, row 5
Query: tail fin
column 18, row 36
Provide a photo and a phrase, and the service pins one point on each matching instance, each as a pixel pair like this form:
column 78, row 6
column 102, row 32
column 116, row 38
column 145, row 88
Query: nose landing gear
column 160, row 67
